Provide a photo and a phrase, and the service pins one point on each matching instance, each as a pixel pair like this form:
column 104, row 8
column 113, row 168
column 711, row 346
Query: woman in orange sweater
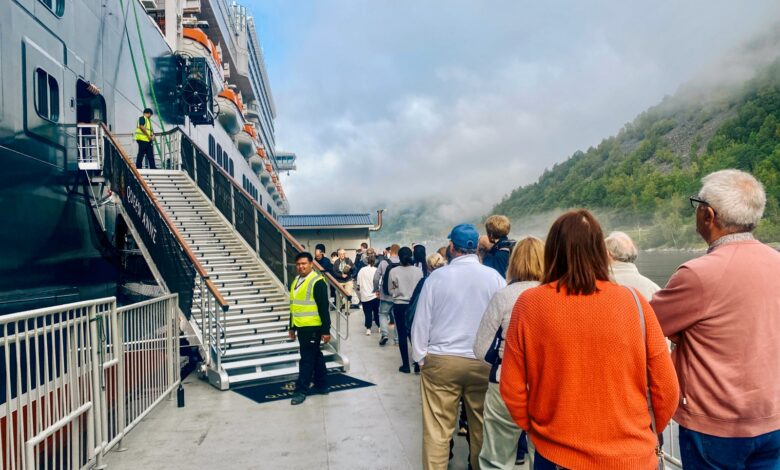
column 575, row 368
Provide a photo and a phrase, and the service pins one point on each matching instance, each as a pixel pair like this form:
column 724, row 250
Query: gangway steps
column 254, row 334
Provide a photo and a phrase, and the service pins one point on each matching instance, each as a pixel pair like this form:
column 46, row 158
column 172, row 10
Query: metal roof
column 326, row 220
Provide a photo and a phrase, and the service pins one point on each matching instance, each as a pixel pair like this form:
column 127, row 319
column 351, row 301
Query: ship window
column 225, row 160
column 47, row 96
column 212, row 145
column 230, row 167
column 56, row 6
column 219, row 154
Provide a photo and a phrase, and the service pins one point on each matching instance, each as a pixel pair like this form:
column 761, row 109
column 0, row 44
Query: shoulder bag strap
column 648, row 395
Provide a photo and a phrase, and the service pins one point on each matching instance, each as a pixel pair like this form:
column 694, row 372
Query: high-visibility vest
column 303, row 308
column 139, row 134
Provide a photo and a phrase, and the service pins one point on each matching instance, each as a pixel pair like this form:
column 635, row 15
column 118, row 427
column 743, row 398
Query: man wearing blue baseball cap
column 449, row 310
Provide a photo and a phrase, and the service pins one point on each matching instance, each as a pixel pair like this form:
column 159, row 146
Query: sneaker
column 520, row 460
column 383, row 340
column 298, row 398
column 368, row 332
column 404, row 369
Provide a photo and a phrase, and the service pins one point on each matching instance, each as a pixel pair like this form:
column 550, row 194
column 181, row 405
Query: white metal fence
column 76, row 378
column 90, row 146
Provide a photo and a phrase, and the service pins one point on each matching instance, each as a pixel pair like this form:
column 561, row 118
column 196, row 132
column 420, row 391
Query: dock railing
column 77, row 378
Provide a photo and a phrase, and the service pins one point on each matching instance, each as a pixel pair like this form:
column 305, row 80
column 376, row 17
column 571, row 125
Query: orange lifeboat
column 245, row 141
column 196, row 43
column 230, row 111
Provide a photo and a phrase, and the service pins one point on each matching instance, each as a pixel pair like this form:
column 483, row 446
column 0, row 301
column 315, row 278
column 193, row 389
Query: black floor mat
column 284, row 390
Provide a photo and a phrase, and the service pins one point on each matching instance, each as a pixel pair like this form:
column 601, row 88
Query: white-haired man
column 723, row 312
column 622, row 255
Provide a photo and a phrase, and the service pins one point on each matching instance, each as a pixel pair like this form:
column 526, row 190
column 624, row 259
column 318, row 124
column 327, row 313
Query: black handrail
column 192, row 158
column 170, row 252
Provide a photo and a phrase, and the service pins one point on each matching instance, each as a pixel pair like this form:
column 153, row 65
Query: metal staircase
column 205, row 239
column 256, row 344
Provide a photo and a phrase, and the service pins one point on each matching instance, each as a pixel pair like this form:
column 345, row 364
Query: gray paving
column 369, row 428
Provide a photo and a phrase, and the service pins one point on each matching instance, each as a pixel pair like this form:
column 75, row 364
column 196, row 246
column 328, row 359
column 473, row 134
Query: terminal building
column 334, row 231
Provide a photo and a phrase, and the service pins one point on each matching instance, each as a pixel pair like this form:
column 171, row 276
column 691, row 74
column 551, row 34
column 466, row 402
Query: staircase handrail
column 329, row 277
column 341, row 305
column 168, row 222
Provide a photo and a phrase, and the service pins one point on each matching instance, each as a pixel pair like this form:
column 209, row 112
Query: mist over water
column 660, row 265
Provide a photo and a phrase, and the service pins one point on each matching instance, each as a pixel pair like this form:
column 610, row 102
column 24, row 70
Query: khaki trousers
column 444, row 381
column 499, row 446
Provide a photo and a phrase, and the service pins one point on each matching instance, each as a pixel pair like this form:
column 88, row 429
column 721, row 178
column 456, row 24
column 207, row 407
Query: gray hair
column 621, row 247
column 737, row 198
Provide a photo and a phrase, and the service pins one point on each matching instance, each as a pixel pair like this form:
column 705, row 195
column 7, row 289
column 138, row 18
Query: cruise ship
column 198, row 65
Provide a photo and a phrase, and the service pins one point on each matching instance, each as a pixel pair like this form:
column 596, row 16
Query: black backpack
column 386, row 277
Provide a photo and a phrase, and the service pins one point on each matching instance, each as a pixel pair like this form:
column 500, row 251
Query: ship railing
column 89, row 141
column 164, row 247
column 269, row 240
column 166, row 154
column 77, row 378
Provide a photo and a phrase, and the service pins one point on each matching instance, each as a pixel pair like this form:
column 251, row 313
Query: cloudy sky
column 389, row 101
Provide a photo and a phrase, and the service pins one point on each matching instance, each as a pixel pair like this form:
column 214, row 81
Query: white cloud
column 389, row 101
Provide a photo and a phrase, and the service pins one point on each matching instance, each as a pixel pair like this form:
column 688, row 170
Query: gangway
column 229, row 261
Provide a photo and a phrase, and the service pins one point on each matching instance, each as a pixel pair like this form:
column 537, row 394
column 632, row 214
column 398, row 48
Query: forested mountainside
column 641, row 178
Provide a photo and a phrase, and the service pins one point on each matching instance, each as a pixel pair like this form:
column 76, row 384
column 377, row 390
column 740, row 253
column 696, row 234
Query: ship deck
column 376, row 427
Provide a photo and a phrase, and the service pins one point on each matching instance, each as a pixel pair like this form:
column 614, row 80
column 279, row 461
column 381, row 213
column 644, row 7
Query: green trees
column 644, row 175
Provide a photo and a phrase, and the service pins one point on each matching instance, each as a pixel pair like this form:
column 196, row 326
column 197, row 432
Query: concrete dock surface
column 373, row 428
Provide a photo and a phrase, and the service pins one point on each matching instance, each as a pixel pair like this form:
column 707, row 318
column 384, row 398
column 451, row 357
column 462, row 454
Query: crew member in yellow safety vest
column 310, row 318
column 144, row 137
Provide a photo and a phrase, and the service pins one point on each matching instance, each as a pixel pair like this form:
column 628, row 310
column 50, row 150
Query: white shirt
column 627, row 274
column 451, row 304
column 365, row 282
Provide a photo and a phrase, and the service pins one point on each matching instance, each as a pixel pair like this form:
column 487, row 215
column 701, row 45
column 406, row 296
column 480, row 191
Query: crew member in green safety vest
column 310, row 319
column 144, row 137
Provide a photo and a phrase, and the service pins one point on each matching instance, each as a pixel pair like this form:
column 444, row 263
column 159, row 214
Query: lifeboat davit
column 245, row 141
column 230, row 111
column 196, row 43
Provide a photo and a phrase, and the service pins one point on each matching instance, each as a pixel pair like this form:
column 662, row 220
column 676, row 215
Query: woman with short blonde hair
column 500, row 433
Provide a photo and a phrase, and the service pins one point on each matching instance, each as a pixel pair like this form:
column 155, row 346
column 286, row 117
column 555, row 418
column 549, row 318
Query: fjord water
column 660, row 265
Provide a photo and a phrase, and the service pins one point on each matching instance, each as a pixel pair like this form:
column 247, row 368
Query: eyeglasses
column 696, row 202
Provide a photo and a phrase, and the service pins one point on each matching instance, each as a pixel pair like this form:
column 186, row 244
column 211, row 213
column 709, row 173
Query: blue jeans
column 540, row 463
column 702, row 451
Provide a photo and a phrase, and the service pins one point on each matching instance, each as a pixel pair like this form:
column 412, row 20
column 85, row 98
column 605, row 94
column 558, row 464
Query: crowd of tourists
column 565, row 340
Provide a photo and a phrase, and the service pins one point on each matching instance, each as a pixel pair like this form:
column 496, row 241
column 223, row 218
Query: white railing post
column 284, row 262
column 97, row 369
column 119, row 350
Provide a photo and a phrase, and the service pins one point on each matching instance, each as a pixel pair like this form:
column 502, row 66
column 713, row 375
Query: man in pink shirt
column 722, row 310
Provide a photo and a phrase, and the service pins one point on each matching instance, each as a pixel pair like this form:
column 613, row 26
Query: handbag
column 658, row 446
column 493, row 355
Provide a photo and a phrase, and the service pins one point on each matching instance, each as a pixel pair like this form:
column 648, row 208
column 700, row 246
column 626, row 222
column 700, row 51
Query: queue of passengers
column 566, row 340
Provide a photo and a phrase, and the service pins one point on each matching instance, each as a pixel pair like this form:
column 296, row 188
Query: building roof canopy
column 326, row 220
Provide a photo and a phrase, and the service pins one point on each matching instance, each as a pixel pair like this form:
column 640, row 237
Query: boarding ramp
column 228, row 260
column 76, row 378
